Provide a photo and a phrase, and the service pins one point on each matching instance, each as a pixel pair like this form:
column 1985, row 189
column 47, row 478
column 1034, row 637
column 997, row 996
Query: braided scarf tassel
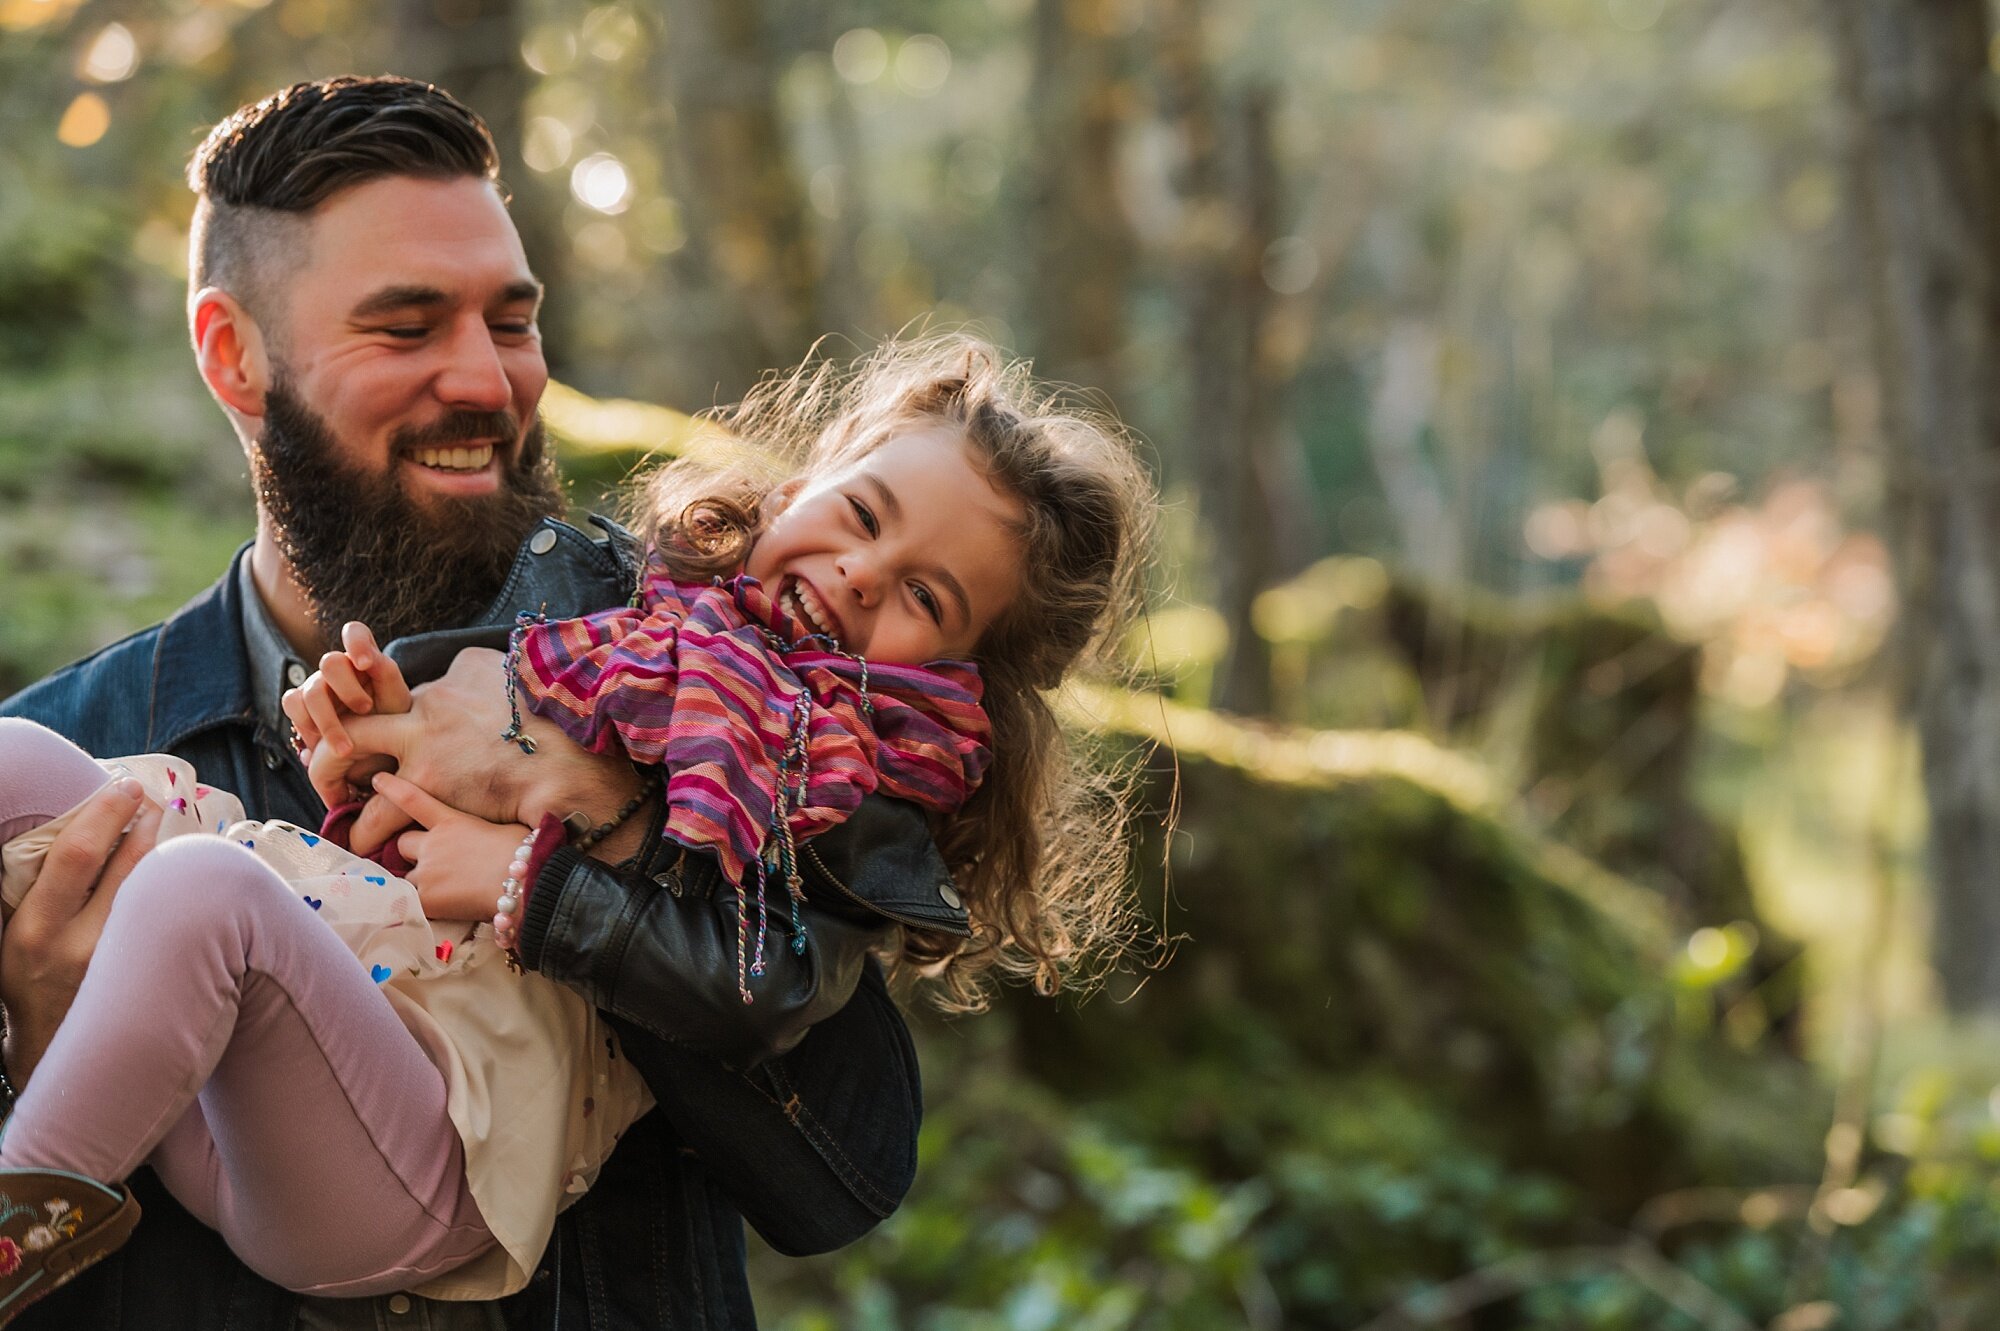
column 781, row 851
column 522, row 623
column 781, row 854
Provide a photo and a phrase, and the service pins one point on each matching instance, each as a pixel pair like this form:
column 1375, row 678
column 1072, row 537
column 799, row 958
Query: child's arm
column 356, row 681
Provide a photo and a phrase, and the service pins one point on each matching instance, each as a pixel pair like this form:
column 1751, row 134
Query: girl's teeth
column 808, row 609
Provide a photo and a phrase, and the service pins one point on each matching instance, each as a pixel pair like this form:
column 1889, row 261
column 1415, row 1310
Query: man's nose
column 473, row 376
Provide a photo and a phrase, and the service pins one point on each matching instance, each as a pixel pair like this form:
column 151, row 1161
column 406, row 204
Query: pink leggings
column 226, row 1036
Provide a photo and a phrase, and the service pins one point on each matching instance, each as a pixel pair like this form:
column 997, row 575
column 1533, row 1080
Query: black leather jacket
column 813, row 1140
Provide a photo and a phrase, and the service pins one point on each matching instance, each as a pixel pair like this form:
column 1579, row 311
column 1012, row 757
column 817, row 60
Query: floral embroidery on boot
column 54, row 1224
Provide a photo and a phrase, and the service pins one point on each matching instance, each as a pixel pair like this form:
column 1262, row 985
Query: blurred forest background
column 1577, row 625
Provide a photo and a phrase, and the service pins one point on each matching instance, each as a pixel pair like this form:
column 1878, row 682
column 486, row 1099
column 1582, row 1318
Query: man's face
column 399, row 461
column 409, row 329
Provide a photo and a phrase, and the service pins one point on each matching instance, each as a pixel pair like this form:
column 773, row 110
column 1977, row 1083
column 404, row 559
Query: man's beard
column 361, row 547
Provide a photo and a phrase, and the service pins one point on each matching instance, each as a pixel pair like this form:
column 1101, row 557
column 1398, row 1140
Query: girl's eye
column 927, row 601
column 862, row 512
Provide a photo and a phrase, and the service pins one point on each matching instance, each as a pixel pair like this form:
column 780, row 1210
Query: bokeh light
column 1290, row 265
column 550, row 48
column 111, row 56
column 609, row 33
column 85, row 121
column 546, row 143
column 600, row 181
column 923, row 63
column 861, row 55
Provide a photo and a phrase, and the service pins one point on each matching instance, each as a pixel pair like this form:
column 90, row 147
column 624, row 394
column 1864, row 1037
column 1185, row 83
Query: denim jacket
column 813, row 1140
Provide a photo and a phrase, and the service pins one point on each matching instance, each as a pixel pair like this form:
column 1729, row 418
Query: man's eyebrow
column 527, row 289
column 389, row 300
column 942, row 575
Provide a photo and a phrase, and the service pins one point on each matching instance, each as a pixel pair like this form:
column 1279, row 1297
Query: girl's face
column 904, row 556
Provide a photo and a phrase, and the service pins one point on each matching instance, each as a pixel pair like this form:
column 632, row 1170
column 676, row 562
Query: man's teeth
column 474, row 458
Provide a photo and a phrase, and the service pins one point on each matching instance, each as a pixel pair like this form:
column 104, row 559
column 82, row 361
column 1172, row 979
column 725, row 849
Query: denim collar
column 274, row 666
column 201, row 666
column 203, row 672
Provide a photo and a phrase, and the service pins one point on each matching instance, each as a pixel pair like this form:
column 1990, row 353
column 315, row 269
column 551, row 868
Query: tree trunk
column 1083, row 240
column 1925, row 155
column 472, row 49
column 1229, row 198
column 749, row 243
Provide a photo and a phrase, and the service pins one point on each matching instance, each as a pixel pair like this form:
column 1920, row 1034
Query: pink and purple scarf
column 765, row 738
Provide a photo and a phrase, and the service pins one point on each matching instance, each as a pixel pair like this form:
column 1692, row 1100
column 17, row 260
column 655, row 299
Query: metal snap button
column 399, row 1304
column 295, row 673
column 542, row 541
column 949, row 895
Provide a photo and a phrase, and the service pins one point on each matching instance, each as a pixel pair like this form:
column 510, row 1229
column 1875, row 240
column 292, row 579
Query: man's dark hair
column 262, row 171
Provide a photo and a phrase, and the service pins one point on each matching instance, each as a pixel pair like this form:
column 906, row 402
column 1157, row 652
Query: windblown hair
column 265, row 168
column 1039, row 852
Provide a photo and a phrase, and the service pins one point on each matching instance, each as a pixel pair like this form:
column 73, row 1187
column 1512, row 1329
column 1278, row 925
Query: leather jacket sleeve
column 656, row 945
column 813, row 1140
column 659, row 951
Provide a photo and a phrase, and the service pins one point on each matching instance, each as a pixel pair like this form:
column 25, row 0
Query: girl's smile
column 907, row 556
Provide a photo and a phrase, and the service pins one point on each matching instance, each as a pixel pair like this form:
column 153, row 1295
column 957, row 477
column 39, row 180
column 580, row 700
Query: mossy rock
column 1361, row 904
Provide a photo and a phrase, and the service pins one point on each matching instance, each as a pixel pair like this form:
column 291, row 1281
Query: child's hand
column 460, row 861
column 352, row 682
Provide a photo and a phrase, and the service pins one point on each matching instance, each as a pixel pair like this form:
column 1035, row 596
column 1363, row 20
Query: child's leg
column 41, row 775
column 322, row 1150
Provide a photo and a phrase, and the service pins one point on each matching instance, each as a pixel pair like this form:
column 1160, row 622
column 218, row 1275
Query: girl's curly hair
column 1039, row 852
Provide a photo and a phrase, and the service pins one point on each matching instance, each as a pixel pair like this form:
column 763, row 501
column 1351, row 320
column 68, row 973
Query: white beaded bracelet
column 506, row 928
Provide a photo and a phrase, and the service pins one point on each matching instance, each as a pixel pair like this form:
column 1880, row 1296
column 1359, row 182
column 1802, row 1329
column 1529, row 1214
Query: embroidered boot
column 54, row 1224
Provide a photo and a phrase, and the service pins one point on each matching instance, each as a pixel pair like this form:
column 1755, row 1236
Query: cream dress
column 536, row 1087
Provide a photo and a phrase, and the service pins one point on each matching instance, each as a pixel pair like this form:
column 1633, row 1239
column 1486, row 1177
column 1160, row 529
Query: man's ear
column 230, row 351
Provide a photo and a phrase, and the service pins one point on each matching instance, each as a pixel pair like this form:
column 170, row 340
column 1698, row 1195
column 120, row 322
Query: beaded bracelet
column 8, row 1095
column 506, row 928
column 576, row 828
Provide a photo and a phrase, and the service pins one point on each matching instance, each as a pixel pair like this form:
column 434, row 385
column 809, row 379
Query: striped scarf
column 767, row 738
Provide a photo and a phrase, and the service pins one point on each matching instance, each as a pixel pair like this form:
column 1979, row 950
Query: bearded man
column 361, row 309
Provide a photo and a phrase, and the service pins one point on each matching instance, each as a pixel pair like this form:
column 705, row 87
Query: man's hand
column 358, row 680
column 459, row 861
column 449, row 745
column 51, row 935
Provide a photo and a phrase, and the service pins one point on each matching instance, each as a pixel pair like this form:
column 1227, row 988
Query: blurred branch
column 1855, row 1094
column 1402, row 406
column 1520, row 1275
column 1758, row 1207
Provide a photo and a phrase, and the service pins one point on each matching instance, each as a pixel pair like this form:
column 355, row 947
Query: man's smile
column 461, row 457
column 465, row 470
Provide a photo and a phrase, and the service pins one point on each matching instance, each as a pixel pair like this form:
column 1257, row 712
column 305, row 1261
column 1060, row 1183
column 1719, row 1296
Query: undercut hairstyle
column 259, row 174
